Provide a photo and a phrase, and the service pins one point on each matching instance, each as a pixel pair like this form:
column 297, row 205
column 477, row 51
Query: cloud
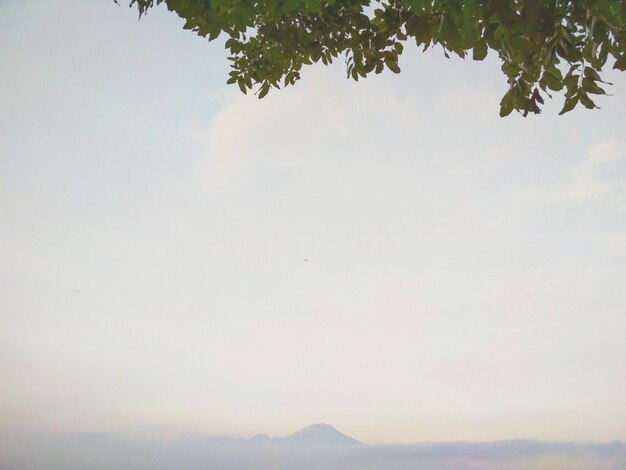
column 322, row 119
column 590, row 180
column 104, row 451
column 615, row 244
column 381, row 122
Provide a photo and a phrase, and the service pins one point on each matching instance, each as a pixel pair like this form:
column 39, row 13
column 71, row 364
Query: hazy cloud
column 105, row 451
column 600, row 177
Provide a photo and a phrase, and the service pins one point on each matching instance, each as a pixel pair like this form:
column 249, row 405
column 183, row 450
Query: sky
column 389, row 256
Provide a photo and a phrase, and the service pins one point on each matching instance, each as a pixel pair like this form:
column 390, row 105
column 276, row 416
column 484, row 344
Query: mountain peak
column 319, row 427
column 319, row 434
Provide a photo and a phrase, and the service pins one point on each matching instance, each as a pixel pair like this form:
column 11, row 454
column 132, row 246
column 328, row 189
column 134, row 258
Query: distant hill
column 319, row 435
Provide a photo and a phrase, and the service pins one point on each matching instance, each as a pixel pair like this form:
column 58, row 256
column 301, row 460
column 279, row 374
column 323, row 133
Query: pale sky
column 387, row 256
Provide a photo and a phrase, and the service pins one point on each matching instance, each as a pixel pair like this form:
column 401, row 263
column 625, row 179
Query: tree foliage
column 544, row 45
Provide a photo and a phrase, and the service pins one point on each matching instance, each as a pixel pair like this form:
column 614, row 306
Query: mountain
column 260, row 439
column 319, row 435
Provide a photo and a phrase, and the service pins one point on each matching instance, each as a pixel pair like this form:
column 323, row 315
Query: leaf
column 620, row 63
column 214, row 33
column 585, row 100
column 591, row 74
column 552, row 83
column 265, row 88
column 393, row 66
column 506, row 105
column 270, row 41
column 569, row 105
column 290, row 5
column 480, row 50
column 242, row 86
column 591, row 87
column 501, row 34
column 554, row 72
column 571, row 82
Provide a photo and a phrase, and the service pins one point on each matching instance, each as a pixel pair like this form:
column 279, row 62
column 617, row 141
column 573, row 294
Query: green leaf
column 214, row 33
column 393, row 66
column 290, row 5
column 591, row 87
column 591, row 74
column 552, row 83
column 620, row 63
column 242, row 86
column 265, row 88
column 269, row 41
column 570, row 104
column 480, row 50
column 585, row 100
column 507, row 104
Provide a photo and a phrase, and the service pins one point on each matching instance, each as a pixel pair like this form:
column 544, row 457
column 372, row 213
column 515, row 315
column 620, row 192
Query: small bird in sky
column 306, row 260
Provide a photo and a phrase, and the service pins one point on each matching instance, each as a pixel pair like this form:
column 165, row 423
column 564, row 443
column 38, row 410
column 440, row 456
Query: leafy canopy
column 544, row 45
